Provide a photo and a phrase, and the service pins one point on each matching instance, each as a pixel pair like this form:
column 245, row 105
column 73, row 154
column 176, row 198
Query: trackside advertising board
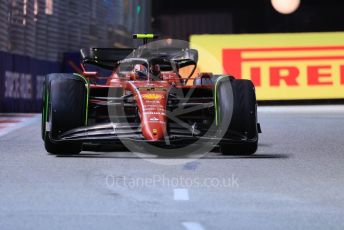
column 282, row 66
column 21, row 82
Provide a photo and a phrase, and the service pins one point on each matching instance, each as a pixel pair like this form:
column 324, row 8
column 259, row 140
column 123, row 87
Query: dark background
column 34, row 41
column 180, row 18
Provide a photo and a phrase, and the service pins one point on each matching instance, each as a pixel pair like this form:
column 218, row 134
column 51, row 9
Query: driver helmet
column 141, row 71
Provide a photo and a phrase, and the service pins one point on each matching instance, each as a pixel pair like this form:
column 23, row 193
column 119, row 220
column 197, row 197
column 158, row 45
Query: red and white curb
column 10, row 122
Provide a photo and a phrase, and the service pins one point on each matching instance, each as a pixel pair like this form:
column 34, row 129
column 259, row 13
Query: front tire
column 64, row 109
column 241, row 120
column 61, row 148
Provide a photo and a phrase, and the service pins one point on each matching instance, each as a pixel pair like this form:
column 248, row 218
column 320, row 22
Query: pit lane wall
column 297, row 66
column 21, row 81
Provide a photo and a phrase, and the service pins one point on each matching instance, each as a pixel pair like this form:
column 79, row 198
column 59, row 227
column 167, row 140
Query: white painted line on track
column 22, row 122
column 180, row 194
column 192, row 226
column 302, row 109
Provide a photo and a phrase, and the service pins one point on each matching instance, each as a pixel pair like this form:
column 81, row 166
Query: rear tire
column 64, row 110
column 244, row 116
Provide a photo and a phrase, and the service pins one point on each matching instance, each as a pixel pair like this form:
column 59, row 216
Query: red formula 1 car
column 150, row 97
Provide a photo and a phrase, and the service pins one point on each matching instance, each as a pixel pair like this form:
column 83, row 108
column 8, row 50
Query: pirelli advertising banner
column 282, row 66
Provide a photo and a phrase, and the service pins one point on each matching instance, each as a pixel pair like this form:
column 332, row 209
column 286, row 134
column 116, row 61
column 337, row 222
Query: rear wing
column 106, row 58
column 170, row 53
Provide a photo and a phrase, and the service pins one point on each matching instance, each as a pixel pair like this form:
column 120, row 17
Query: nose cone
column 153, row 115
column 153, row 131
column 151, row 99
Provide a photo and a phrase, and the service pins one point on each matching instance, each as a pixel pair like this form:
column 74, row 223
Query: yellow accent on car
column 152, row 96
column 155, row 131
column 143, row 36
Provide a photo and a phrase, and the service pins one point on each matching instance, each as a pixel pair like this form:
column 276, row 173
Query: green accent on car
column 143, row 36
column 217, row 112
column 87, row 85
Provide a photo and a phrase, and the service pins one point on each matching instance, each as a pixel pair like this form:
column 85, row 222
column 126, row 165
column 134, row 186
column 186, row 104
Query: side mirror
column 186, row 72
column 186, row 68
column 88, row 73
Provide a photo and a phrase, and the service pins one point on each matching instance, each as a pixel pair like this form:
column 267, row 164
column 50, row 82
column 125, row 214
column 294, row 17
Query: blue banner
column 22, row 77
column 21, row 81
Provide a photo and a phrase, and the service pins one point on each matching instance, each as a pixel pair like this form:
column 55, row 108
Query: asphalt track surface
column 295, row 181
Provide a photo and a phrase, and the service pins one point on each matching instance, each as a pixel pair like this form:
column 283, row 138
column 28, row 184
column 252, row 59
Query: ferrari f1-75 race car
column 150, row 97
